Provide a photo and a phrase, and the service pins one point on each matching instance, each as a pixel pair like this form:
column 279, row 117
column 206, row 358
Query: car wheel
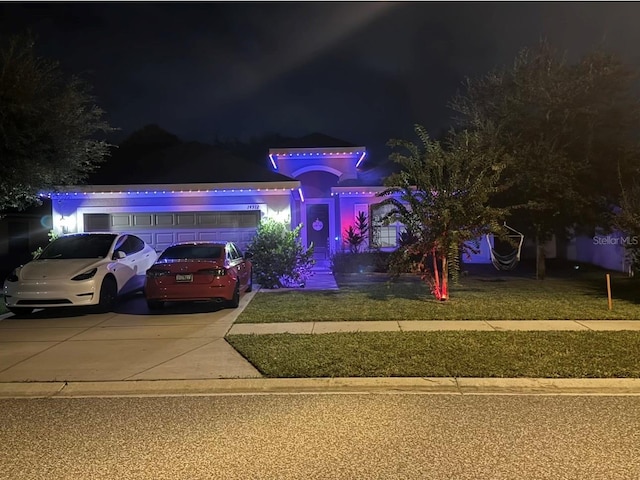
column 108, row 295
column 250, row 284
column 235, row 300
column 155, row 304
column 20, row 311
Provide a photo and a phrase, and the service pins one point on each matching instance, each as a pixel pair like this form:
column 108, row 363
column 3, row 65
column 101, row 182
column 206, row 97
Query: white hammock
column 510, row 260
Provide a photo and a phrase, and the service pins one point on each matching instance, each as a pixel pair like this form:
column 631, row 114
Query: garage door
column 161, row 229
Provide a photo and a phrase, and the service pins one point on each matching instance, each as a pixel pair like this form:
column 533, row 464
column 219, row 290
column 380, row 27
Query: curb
column 323, row 386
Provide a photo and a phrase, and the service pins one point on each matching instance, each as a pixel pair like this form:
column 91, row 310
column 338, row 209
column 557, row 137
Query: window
column 384, row 235
column 132, row 245
column 236, row 249
column 79, row 246
column 232, row 253
column 192, row 252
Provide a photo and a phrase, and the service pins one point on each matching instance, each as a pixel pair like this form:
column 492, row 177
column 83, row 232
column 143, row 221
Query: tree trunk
column 436, row 275
column 541, row 267
column 445, row 279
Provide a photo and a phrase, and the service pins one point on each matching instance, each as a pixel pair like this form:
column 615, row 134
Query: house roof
column 154, row 156
column 312, row 140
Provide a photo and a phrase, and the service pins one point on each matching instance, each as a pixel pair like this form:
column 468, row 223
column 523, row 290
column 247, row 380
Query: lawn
column 498, row 296
column 444, row 354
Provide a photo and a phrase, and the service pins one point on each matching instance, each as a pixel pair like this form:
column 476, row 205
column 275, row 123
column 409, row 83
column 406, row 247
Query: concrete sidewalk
column 433, row 325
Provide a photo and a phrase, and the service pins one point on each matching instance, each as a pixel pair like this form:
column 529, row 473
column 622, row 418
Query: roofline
column 359, row 188
column 319, row 150
column 175, row 187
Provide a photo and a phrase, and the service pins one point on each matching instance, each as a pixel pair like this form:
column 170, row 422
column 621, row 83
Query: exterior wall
column 606, row 251
column 342, row 162
column 317, row 184
column 351, row 201
column 349, row 205
column 484, row 254
column 68, row 208
column 318, row 170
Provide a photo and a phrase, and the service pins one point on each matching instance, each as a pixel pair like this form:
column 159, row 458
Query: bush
column 360, row 262
column 279, row 259
column 356, row 235
column 52, row 236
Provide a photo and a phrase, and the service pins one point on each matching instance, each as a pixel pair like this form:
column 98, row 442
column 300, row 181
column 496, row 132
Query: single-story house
column 321, row 192
column 320, row 187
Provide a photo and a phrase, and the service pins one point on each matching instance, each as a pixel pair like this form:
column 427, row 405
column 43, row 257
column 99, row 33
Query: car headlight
column 13, row 276
column 85, row 275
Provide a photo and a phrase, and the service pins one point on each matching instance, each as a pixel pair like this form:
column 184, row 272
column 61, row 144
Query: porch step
column 322, row 266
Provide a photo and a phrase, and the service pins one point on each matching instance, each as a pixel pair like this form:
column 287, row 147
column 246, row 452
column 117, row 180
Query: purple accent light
column 301, row 195
column 142, row 193
column 361, row 159
column 273, row 162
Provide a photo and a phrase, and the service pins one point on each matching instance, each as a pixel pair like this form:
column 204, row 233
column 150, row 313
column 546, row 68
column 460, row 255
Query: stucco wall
column 606, row 251
column 72, row 207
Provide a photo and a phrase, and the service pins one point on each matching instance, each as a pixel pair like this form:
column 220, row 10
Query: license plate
column 187, row 277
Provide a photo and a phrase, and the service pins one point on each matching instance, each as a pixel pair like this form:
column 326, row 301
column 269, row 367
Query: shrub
column 360, row 262
column 279, row 259
column 355, row 236
column 52, row 236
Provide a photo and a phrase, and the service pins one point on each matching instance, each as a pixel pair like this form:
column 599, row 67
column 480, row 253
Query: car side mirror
column 119, row 255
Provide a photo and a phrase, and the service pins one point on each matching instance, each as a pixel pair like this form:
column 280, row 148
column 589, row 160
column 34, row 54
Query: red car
column 199, row 271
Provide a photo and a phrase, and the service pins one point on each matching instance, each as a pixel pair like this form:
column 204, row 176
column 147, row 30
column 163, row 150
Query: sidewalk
column 435, row 325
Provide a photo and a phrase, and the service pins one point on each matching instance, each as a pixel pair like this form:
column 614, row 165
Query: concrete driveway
column 181, row 342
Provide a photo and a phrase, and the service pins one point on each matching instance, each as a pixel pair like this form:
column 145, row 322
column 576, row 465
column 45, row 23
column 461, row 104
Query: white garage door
column 161, row 229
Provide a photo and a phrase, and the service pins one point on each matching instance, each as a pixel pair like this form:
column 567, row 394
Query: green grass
column 444, row 354
column 493, row 297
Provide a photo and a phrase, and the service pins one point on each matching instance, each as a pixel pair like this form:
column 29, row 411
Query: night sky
column 363, row 72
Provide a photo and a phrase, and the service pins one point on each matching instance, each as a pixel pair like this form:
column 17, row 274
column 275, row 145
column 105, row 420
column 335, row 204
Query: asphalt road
column 322, row 436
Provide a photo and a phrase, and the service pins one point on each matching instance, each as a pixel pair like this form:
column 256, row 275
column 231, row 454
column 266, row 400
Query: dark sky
column 363, row 72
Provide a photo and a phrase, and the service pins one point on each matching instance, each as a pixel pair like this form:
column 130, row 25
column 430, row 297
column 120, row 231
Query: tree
column 566, row 128
column 48, row 126
column 442, row 196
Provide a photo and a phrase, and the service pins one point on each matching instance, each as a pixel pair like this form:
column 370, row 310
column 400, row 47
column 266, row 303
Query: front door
column 318, row 230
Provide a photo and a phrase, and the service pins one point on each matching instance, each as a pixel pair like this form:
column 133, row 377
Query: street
column 322, row 436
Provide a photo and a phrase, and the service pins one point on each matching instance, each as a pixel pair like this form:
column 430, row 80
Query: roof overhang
column 183, row 189
column 364, row 190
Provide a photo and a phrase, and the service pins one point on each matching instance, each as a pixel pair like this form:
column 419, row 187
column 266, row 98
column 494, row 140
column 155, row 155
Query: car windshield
column 79, row 246
column 192, row 252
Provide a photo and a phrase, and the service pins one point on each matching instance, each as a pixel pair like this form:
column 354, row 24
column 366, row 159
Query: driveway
column 181, row 342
